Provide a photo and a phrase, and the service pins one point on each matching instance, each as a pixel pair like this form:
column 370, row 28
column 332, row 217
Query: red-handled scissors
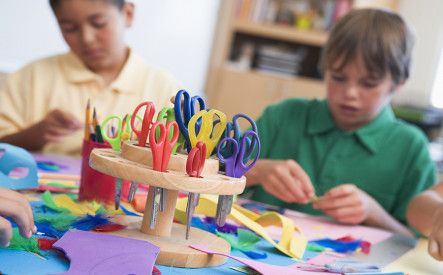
column 194, row 167
column 142, row 134
column 161, row 152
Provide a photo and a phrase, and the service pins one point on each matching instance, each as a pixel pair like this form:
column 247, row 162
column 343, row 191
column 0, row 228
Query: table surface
column 415, row 261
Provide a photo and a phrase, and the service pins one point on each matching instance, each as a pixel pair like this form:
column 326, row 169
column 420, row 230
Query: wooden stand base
column 174, row 249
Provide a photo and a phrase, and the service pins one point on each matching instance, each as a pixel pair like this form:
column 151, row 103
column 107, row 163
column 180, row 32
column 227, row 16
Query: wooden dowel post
column 164, row 219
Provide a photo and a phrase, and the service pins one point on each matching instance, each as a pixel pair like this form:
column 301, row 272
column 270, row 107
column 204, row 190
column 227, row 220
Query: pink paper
column 266, row 269
column 102, row 254
column 321, row 259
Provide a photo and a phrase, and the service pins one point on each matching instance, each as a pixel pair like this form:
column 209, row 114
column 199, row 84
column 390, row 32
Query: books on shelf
column 303, row 14
column 280, row 59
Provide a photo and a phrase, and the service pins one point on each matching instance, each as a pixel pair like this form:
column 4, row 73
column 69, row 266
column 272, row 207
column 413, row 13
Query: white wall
column 175, row 35
column 427, row 19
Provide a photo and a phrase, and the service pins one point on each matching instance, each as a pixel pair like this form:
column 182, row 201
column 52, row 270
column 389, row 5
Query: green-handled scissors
column 122, row 134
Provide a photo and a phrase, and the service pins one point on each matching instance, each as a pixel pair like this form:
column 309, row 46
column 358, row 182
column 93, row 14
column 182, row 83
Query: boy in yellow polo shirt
column 349, row 150
column 42, row 106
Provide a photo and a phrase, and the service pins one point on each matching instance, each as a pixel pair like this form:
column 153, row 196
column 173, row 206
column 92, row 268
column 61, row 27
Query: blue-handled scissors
column 142, row 134
column 344, row 266
column 206, row 134
column 123, row 131
column 234, row 167
column 233, row 131
column 183, row 118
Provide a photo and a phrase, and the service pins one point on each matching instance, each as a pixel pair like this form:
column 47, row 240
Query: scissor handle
column 234, row 165
column 196, row 160
column 146, row 123
column 169, row 144
column 188, row 112
column 226, row 133
column 230, row 161
column 169, row 114
column 237, row 133
column 351, row 266
column 206, row 135
column 157, row 144
column 115, row 141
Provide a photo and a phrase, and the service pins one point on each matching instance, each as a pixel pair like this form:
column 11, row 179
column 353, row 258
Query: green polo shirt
column 387, row 158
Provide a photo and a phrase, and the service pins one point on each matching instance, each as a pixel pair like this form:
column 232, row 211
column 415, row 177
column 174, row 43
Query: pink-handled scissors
column 161, row 152
column 142, row 134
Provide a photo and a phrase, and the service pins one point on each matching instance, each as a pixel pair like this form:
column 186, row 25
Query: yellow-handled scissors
column 205, row 134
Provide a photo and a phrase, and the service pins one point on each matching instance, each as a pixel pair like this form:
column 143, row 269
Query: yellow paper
column 293, row 246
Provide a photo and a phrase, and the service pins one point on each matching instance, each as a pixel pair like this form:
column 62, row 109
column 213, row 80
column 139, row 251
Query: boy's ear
column 128, row 11
column 399, row 86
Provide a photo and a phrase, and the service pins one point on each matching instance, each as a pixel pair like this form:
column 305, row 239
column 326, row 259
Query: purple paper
column 68, row 165
column 100, row 254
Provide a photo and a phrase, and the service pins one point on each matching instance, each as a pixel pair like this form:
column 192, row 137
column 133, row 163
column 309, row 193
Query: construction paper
column 67, row 165
column 18, row 169
column 291, row 243
column 102, row 254
column 266, row 269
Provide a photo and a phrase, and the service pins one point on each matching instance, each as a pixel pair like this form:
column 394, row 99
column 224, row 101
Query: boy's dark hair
column 119, row 3
column 383, row 39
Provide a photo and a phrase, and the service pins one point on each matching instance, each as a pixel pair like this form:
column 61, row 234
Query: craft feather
column 20, row 243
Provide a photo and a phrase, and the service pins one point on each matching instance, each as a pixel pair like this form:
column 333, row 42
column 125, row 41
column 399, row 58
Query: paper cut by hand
column 100, row 254
column 13, row 158
column 262, row 267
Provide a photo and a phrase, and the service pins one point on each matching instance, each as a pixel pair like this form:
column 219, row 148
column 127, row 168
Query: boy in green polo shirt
column 349, row 150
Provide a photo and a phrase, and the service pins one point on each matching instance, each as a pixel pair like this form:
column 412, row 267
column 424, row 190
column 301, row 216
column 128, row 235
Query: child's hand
column 285, row 179
column 16, row 206
column 346, row 203
column 435, row 240
column 56, row 125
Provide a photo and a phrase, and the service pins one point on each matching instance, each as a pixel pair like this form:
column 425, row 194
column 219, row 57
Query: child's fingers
column 5, row 232
column 304, row 180
column 7, row 194
column 18, row 213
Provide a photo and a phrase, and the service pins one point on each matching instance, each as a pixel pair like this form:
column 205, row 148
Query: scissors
column 194, row 167
column 169, row 114
column 161, row 152
column 205, row 134
column 344, row 266
column 142, row 134
column 122, row 134
column 234, row 167
column 188, row 112
column 123, row 131
column 234, row 127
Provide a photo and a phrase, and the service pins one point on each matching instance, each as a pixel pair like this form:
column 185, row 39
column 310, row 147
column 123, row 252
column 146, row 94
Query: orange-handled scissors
column 142, row 134
column 169, row 114
column 205, row 134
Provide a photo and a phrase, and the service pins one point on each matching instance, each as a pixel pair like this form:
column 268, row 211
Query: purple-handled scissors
column 236, row 168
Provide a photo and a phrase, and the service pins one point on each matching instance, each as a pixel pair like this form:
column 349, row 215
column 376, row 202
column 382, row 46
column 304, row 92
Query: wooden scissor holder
column 134, row 163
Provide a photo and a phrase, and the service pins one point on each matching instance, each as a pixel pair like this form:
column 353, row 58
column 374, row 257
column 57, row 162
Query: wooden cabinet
column 248, row 88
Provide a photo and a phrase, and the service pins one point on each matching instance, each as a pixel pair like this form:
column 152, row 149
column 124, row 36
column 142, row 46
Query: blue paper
column 12, row 158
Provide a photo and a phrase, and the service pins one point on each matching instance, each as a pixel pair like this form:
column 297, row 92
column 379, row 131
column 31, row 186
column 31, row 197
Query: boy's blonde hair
column 382, row 38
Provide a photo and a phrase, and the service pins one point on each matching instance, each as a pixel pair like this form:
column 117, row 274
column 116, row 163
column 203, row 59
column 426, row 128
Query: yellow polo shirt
column 63, row 82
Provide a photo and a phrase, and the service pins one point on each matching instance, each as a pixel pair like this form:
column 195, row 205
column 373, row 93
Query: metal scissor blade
column 224, row 205
column 118, row 191
column 132, row 191
column 190, row 208
column 155, row 207
column 163, row 197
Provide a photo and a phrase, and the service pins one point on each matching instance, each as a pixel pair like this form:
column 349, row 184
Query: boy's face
column 355, row 97
column 94, row 30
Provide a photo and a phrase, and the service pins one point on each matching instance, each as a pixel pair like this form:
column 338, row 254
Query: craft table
column 415, row 261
